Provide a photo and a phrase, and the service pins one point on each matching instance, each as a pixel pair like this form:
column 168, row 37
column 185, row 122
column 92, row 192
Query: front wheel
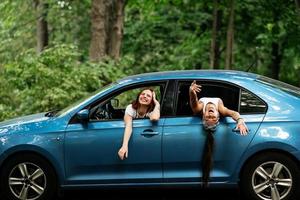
column 270, row 176
column 27, row 177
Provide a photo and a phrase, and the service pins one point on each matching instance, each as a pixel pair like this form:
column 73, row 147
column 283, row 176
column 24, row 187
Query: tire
column 27, row 177
column 270, row 176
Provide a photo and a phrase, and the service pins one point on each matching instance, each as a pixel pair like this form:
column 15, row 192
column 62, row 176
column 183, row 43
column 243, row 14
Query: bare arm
column 234, row 115
column 155, row 114
column 196, row 106
column 123, row 152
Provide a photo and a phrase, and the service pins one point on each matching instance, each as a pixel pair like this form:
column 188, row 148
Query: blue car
column 77, row 147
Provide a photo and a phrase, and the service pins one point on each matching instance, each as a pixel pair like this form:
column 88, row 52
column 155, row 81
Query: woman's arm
column 234, row 115
column 123, row 152
column 155, row 114
column 196, row 106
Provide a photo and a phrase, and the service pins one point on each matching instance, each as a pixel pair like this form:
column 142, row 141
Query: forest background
column 54, row 52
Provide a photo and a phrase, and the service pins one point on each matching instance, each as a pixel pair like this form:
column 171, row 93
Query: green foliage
column 7, row 98
column 69, row 23
column 167, row 35
column 16, row 30
column 158, row 35
column 259, row 24
column 52, row 80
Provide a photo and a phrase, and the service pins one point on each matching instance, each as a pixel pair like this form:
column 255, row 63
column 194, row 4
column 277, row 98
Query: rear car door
column 184, row 137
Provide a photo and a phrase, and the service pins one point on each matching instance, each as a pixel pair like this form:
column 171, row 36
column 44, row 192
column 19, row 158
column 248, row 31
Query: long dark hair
column 207, row 159
column 136, row 104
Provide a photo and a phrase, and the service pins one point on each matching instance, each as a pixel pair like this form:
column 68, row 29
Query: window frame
column 217, row 83
column 102, row 100
column 253, row 94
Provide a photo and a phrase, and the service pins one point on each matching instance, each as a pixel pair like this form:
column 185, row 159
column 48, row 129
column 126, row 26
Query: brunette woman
column 145, row 106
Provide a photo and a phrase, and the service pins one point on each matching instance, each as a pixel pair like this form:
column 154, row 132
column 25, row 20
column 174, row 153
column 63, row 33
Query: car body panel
column 96, row 156
column 183, row 163
column 38, row 134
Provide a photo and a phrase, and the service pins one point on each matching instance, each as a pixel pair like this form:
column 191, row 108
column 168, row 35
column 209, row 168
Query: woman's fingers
column 243, row 129
column 122, row 154
column 195, row 88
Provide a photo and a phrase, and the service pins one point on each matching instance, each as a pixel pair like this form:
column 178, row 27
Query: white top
column 133, row 113
column 206, row 100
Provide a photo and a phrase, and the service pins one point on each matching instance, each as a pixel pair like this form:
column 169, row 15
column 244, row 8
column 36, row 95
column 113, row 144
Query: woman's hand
column 154, row 98
column 123, row 152
column 194, row 88
column 242, row 127
column 155, row 114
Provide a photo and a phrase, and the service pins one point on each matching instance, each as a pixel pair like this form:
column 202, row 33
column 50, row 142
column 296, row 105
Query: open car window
column 113, row 107
column 232, row 96
column 229, row 95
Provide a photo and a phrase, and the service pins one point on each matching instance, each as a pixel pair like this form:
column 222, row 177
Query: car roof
column 191, row 74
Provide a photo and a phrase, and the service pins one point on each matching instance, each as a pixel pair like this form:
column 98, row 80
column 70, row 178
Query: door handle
column 149, row 133
column 238, row 130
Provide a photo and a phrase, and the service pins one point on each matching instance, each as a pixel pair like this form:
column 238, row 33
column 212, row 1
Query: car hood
column 35, row 118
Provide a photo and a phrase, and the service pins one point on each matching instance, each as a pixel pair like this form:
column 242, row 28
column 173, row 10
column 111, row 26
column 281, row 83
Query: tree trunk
column 42, row 25
column 117, row 30
column 230, row 37
column 99, row 18
column 107, row 28
column 276, row 60
column 277, row 49
column 215, row 42
column 297, row 2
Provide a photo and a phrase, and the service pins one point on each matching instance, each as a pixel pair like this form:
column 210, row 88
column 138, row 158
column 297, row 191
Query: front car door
column 184, row 137
column 91, row 148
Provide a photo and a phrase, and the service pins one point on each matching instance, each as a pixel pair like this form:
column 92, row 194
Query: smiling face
column 145, row 97
column 211, row 114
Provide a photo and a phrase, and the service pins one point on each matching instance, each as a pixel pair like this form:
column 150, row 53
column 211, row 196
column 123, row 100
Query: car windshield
column 293, row 90
column 84, row 99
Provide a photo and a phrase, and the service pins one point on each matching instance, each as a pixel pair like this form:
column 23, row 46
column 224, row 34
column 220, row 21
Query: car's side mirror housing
column 115, row 103
column 83, row 115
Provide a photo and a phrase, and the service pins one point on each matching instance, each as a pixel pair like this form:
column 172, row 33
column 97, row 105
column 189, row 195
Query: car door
column 184, row 136
column 91, row 149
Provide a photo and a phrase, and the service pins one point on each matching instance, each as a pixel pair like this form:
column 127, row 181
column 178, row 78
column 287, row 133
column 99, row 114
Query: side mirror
column 115, row 103
column 83, row 115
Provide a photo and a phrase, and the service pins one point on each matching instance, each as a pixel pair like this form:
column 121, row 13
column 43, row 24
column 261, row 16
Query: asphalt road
column 154, row 194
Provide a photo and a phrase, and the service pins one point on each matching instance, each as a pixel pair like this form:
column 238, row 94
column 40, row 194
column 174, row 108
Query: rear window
column 229, row 95
column 293, row 90
column 233, row 97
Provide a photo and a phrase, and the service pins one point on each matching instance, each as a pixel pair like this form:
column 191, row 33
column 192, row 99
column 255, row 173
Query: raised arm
column 155, row 114
column 234, row 115
column 123, row 152
column 196, row 106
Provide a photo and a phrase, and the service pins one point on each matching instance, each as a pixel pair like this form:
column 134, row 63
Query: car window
column 228, row 93
column 250, row 104
column 113, row 108
column 233, row 97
